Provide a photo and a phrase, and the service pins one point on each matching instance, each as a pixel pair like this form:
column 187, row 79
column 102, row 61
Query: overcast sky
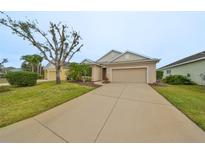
column 165, row 35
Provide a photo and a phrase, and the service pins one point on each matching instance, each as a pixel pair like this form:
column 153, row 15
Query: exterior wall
column 151, row 69
column 194, row 69
column 96, row 73
column 128, row 56
column 50, row 74
column 64, row 74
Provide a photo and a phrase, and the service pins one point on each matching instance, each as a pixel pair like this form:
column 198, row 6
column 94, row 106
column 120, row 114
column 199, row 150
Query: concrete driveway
column 111, row 113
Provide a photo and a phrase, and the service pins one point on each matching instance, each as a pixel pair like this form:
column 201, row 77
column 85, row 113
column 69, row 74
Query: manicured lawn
column 21, row 103
column 3, row 81
column 190, row 99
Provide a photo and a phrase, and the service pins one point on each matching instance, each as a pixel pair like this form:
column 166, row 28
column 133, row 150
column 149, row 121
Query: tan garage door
column 136, row 75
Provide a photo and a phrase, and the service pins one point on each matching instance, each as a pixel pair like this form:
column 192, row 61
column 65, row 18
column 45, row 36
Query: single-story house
column 50, row 72
column 128, row 66
column 192, row 66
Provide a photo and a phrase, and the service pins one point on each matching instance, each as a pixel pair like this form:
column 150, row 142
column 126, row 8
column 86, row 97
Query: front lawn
column 190, row 99
column 21, row 103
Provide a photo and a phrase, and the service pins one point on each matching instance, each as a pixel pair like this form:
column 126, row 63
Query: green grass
column 25, row 102
column 190, row 99
column 3, row 81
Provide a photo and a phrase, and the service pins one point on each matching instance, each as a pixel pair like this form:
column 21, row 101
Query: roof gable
column 87, row 61
column 109, row 56
column 129, row 56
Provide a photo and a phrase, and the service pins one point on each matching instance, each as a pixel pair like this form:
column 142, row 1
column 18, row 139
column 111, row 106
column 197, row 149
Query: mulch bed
column 91, row 84
column 159, row 84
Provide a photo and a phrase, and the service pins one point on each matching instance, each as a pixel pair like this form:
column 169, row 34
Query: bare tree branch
column 57, row 48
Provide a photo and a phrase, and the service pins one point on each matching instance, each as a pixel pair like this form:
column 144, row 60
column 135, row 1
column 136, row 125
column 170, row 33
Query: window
column 168, row 71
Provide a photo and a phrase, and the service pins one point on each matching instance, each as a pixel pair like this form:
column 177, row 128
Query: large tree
column 57, row 46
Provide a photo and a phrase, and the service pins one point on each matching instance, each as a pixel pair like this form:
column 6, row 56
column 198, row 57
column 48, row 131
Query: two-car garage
column 132, row 75
column 125, row 67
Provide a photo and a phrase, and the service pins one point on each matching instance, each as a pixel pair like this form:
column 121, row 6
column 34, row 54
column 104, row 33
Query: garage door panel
column 133, row 75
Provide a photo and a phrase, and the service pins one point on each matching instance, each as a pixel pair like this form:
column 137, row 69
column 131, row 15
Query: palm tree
column 37, row 59
column 34, row 61
column 29, row 60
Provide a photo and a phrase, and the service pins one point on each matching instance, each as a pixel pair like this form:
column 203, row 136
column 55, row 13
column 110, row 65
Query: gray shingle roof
column 186, row 59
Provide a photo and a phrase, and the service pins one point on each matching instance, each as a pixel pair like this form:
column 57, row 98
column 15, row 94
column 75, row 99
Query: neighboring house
column 7, row 69
column 50, row 72
column 132, row 67
column 193, row 67
column 16, row 70
column 4, row 70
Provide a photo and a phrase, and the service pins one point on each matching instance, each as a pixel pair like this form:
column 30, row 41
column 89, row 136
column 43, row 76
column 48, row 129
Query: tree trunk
column 40, row 69
column 32, row 67
column 58, row 79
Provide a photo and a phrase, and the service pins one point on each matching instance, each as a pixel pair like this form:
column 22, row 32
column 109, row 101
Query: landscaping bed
column 24, row 102
column 190, row 99
column 91, row 84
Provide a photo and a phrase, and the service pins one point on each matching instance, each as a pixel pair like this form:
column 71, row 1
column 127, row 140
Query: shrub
column 79, row 72
column 40, row 76
column 22, row 79
column 177, row 79
column 4, row 88
column 88, row 78
column 159, row 75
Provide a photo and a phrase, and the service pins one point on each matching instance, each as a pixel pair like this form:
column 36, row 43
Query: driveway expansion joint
column 114, row 105
column 53, row 132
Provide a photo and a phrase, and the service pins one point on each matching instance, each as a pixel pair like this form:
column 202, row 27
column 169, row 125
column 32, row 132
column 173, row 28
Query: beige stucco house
column 131, row 67
column 50, row 72
column 192, row 67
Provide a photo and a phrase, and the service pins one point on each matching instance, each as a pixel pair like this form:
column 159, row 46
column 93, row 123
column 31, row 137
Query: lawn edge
column 29, row 117
column 177, row 108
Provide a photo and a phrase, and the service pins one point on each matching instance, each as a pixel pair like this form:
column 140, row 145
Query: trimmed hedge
column 22, row 79
column 178, row 79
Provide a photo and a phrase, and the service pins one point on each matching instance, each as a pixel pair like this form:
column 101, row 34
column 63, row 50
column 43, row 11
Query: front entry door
column 104, row 77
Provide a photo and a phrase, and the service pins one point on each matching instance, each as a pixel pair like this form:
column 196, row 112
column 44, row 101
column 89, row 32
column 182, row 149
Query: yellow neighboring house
column 50, row 72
